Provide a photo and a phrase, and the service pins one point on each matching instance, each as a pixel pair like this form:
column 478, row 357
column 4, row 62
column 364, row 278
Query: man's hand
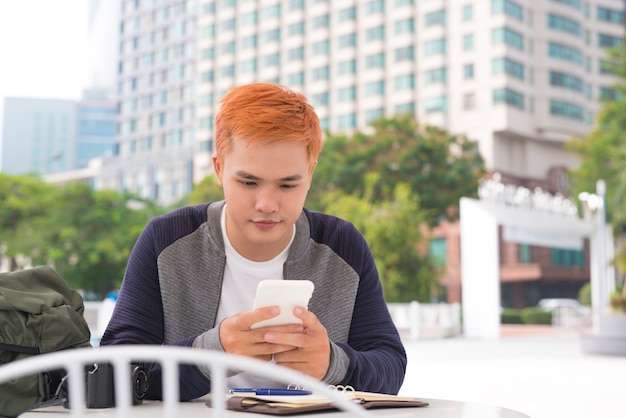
column 312, row 347
column 237, row 337
column 304, row 348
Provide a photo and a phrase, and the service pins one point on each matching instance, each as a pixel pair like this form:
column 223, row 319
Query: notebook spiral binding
column 338, row 388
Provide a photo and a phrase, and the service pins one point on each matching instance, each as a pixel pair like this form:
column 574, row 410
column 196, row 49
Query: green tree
column 437, row 166
column 603, row 154
column 392, row 228
column 85, row 235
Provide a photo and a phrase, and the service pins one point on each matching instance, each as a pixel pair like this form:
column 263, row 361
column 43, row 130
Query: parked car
column 567, row 312
column 551, row 304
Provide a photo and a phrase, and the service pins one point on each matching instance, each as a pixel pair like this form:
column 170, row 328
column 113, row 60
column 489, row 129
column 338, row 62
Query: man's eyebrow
column 249, row 176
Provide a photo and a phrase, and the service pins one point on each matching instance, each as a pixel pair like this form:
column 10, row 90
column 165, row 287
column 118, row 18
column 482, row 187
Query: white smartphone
column 286, row 294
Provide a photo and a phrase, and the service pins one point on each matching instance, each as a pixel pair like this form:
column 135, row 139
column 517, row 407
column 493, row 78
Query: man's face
column 265, row 186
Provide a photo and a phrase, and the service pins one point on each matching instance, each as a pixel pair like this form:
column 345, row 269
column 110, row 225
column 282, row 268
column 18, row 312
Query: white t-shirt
column 241, row 277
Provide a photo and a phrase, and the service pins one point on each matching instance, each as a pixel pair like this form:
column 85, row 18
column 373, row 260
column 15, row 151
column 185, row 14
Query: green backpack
column 39, row 313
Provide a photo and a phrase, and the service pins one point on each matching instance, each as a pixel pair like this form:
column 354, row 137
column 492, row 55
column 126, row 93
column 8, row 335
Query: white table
column 438, row 408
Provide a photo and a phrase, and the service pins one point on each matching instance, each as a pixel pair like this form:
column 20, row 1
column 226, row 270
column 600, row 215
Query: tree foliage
column 85, row 235
column 437, row 166
column 393, row 230
column 603, row 153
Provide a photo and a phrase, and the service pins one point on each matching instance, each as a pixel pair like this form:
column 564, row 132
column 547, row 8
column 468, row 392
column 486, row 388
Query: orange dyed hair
column 266, row 112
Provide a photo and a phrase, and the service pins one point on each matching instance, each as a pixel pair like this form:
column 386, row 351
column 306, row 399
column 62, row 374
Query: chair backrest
column 121, row 357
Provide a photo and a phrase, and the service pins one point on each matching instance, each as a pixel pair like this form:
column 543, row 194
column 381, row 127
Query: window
column 229, row 25
column 227, row 71
column 438, row 251
column 404, row 82
column 296, row 28
column 610, row 15
column 347, row 121
column 437, row 17
column 573, row 3
column 566, row 109
column 347, row 67
column 608, row 41
column 468, row 42
column 508, row 36
column 405, row 108
column 609, row 94
column 468, row 12
column 347, row 94
column 435, row 46
column 404, row 26
column 296, row 4
column 296, row 79
column 567, row 81
column 272, row 35
column 375, row 60
column 296, row 54
column 406, row 53
column 468, row 71
column 208, row 53
column 567, row 257
column 322, row 21
column 509, row 97
column 373, row 34
column 321, row 47
column 321, row 73
column 375, row 6
column 436, row 104
column 272, row 60
column 347, row 40
column 400, row 3
column 564, row 24
column 503, row 65
column 228, row 47
column 438, row 75
column 272, row 11
column 375, row 88
column 525, row 254
column 249, row 19
column 249, row 66
column 347, row 14
column 320, row 99
column 373, row 114
column 249, row 42
column 564, row 52
column 508, row 7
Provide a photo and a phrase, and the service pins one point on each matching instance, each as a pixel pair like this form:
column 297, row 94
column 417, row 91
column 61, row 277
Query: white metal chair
column 74, row 361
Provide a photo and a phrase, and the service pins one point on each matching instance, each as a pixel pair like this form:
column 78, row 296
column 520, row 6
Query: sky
column 42, row 49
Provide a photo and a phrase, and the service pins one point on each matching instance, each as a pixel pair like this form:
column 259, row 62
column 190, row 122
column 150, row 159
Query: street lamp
column 595, row 211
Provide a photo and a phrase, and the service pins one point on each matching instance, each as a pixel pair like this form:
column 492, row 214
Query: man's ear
column 218, row 167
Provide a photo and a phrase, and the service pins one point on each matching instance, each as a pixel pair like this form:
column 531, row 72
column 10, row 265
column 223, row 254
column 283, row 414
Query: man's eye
column 288, row 186
column 248, row 183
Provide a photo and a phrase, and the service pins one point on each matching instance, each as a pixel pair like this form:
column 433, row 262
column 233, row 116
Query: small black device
column 101, row 385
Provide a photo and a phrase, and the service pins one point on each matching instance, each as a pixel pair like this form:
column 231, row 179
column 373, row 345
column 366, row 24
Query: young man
column 192, row 275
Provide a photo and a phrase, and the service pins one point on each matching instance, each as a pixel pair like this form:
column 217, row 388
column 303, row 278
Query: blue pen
column 270, row 391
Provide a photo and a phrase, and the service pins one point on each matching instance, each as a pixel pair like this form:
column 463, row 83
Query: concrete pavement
column 541, row 372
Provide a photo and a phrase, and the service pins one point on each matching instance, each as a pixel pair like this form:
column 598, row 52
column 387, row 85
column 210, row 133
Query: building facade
column 39, row 136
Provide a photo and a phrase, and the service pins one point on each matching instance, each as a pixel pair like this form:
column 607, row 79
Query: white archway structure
column 528, row 217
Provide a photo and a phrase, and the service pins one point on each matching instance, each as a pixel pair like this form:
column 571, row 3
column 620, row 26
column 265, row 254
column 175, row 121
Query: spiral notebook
column 296, row 404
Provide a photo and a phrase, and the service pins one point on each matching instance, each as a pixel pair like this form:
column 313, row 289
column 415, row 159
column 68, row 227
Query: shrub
column 536, row 316
column 510, row 316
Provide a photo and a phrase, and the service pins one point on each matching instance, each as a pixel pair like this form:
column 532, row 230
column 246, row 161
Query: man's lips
column 265, row 223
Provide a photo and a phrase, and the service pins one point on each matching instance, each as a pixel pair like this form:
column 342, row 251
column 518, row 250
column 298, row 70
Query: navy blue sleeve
column 138, row 314
column 377, row 356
